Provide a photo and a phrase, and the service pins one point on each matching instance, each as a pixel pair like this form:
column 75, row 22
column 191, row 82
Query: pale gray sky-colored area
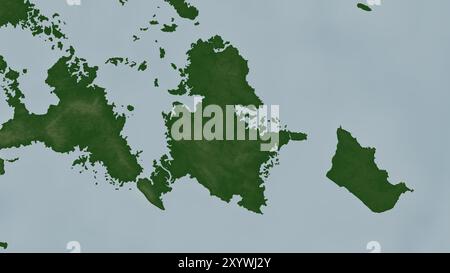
column 381, row 75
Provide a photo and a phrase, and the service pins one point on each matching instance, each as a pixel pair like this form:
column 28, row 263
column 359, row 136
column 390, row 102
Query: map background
column 381, row 75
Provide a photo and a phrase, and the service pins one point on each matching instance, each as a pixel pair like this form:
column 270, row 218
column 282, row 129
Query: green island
column 3, row 245
column 184, row 9
column 217, row 72
column 162, row 53
column 354, row 168
column 169, row 28
column 2, row 166
column 82, row 119
column 364, row 7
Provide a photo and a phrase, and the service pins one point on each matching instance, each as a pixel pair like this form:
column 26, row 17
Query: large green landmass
column 354, row 168
column 217, row 72
column 82, row 119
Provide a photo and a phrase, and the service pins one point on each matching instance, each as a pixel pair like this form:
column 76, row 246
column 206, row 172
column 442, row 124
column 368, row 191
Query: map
column 212, row 126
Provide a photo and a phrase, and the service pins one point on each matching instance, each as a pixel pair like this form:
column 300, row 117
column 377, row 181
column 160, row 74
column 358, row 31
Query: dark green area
column 2, row 166
column 143, row 66
column 169, row 28
column 184, row 9
column 135, row 38
column 228, row 168
column 287, row 136
column 127, row 62
column 14, row 11
column 116, row 61
column 82, row 118
column 364, row 7
column 3, row 245
column 354, row 168
column 22, row 13
column 162, row 53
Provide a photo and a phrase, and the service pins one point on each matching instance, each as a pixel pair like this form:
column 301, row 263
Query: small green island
column 364, row 7
column 169, row 28
column 2, row 166
column 3, row 245
column 354, row 168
